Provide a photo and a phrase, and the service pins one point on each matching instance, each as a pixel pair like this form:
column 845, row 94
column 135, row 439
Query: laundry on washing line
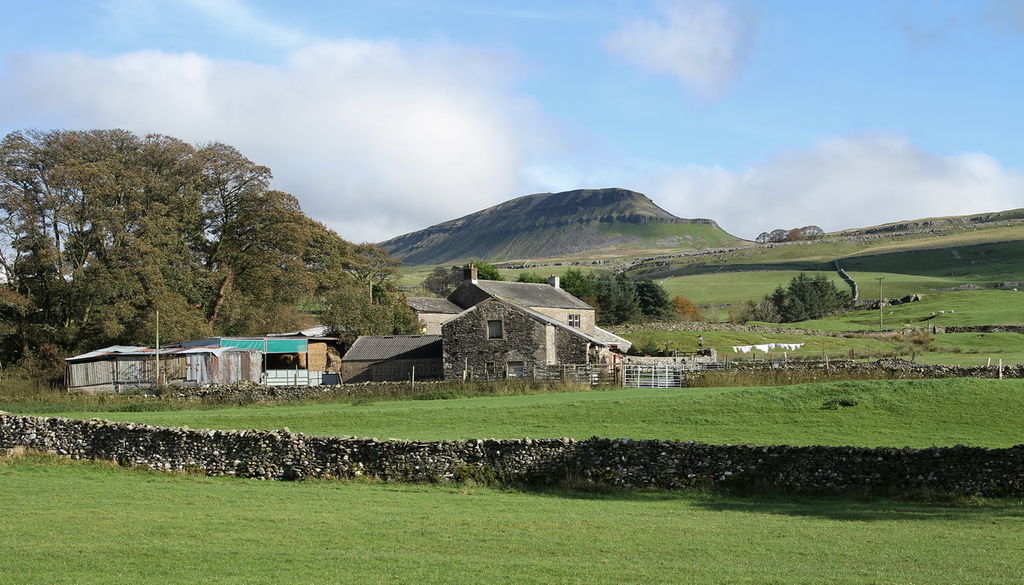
column 766, row 347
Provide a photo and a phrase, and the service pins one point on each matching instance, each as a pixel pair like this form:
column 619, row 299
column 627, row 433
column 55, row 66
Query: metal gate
column 652, row 376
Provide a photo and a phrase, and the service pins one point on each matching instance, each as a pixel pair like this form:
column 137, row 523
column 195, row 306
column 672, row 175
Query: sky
column 386, row 117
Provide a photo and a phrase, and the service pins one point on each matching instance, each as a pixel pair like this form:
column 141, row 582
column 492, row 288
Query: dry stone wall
column 282, row 455
column 890, row 368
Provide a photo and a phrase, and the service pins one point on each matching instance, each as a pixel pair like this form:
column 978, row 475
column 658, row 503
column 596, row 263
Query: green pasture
column 976, row 307
column 990, row 253
column 68, row 522
column 969, row 349
column 917, row 413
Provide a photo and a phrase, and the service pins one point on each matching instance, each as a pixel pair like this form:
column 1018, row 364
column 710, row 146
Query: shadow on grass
column 872, row 510
column 854, row 508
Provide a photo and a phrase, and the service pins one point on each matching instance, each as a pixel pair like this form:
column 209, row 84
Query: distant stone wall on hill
column 623, row 463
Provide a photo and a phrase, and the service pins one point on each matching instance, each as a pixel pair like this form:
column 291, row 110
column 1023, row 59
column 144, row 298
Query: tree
column 617, row 297
column 350, row 313
column 486, row 270
column 442, row 281
column 686, row 310
column 531, row 277
column 808, row 298
column 578, row 284
column 654, row 301
column 101, row 229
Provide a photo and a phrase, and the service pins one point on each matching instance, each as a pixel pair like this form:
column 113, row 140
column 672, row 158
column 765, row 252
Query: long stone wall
column 283, row 455
column 890, row 368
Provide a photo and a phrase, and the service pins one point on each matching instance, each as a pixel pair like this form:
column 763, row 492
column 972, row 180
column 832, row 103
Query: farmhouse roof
column 390, row 347
column 530, row 294
column 433, row 305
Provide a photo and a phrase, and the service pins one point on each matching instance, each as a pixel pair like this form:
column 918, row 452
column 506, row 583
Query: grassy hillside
column 969, row 349
column 75, row 522
column 916, row 413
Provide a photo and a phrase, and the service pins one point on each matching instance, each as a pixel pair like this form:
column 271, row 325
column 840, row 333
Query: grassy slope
column 982, row 307
column 75, row 522
column 916, row 413
column 970, row 349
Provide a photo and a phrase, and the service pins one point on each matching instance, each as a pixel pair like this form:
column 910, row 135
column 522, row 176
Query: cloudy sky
column 386, row 117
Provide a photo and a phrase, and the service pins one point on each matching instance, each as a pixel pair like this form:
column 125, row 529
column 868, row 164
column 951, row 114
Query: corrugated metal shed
column 118, row 368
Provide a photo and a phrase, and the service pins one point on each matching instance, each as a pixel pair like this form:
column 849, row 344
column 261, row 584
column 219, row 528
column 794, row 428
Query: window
column 514, row 369
column 574, row 321
column 494, row 330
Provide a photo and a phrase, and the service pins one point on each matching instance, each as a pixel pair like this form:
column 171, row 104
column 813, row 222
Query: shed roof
column 531, row 294
column 612, row 339
column 134, row 350
column 316, row 331
column 391, row 347
column 432, row 305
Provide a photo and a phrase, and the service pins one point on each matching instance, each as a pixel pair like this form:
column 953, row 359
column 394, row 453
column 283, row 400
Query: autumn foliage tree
column 685, row 309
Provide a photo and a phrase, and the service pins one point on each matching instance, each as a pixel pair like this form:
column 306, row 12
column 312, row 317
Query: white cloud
column 236, row 16
column 840, row 183
column 375, row 138
column 702, row 43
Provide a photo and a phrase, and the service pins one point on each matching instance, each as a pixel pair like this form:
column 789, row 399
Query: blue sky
column 386, row 117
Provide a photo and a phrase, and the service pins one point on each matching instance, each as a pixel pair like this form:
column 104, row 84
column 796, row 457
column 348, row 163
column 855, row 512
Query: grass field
column 976, row 307
column 969, row 349
column 73, row 522
column 919, row 413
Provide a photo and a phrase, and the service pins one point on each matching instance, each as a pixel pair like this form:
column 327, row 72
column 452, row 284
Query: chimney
column 469, row 273
column 554, row 281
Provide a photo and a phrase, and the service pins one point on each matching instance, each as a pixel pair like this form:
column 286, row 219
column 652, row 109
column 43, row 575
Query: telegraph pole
column 157, row 384
column 880, row 301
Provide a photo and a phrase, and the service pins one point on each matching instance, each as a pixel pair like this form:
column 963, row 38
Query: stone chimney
column 555, row 281
column 469, row 273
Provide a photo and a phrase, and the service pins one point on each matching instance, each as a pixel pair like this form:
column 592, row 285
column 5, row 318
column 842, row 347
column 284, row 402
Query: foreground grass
column 917, row 413
column 74, row 522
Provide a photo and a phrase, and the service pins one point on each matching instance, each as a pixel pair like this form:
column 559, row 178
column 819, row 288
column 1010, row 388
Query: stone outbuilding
column 432, row 313
column 392, row 358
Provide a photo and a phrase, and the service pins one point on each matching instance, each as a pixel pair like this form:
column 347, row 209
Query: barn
column 389, row 358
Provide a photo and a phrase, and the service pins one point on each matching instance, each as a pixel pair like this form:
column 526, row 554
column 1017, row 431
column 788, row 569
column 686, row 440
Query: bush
column 806, row 298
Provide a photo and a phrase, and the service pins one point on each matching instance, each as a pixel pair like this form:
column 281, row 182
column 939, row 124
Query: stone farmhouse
column 513, row 328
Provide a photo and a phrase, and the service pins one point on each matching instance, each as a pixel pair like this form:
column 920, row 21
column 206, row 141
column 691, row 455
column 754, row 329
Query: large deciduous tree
column 100, row 229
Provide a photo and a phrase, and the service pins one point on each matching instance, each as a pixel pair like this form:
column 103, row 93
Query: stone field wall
column 283, row 455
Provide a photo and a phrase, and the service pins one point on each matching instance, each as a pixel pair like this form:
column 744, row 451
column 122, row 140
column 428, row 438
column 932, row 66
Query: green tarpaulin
column 269, row 345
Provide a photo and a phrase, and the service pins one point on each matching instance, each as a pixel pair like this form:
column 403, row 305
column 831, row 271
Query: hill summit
column 546, row 225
